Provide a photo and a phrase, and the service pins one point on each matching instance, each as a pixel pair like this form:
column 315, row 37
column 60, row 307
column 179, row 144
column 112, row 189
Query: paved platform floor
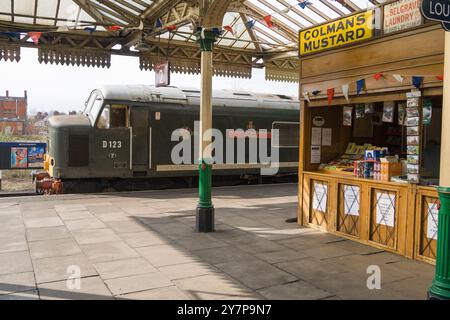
column 142, row 246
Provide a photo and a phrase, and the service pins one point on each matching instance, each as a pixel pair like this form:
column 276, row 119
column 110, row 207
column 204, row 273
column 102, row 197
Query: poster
column 320, row 197
column 36, row 157
column 315, row 154
column 427, row 111
column 413, row 140
column 19, row 158
column 316, row 136
column 327, row 136
column 348, row 116
column 369, row 108
column 432, row 221
column 360, row 108
column 162, row 74
column 401, row 15
column 386, row 209
column 388, row 111
column 351, row 202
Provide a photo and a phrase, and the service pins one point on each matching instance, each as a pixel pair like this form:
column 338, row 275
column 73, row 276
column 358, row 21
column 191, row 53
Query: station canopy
column 254, row 33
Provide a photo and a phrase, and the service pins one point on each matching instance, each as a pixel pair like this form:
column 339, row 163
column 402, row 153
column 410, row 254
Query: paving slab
column 164, row 293
column 215, row 286
column 15, row 262
column 187, row 270
column 87, row 236
column 256, row 274
column 54, row 248
column 91, row 288
column 43, row 222
column 61, row 268
column 143, row 239
column 120, row 286
column 124, row 268
column 298, row 290
column 166, row 255
column 75, row 215
column 48, row 233
column 108, row 251
column 17, row 282
column 84, row 224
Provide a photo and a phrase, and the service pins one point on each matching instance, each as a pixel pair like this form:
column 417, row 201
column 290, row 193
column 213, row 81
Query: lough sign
column 437, row 10
column 337, row 33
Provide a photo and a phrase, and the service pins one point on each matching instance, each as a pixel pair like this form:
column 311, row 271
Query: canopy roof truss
column 87, row 32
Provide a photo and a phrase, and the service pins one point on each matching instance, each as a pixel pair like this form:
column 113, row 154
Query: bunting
column 345, row 88
column 35, row 36
column 360, row 86
column 417, row 81
column 268, row 20
column 330, row 94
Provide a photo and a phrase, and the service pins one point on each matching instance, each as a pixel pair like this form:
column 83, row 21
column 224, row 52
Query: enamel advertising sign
column 402, row 15
column 334, row 34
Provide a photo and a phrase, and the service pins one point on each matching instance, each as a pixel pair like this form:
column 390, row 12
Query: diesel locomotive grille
column 78, row 150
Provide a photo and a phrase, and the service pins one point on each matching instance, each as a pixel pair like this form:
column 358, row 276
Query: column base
column 205, row 219
column 437, row 292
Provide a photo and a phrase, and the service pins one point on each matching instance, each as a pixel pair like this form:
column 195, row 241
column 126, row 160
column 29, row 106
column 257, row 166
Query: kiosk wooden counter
column 395, row 215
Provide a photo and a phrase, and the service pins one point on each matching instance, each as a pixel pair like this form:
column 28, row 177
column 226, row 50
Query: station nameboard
column 437, row 10
column 401, row 15
column 22, row 155
column 334, row 34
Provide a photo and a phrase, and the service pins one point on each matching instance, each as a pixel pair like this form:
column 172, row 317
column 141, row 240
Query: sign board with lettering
column 437, row 10
column 22, row 155
column 334, row 34
column 401, row 15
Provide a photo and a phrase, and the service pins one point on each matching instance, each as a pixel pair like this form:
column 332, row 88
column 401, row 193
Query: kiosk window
column 288, row 134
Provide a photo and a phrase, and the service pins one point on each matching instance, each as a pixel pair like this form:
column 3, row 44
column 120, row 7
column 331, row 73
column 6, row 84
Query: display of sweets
column 368, row 169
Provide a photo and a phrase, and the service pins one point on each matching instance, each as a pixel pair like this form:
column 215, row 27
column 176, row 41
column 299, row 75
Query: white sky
column 65, row 88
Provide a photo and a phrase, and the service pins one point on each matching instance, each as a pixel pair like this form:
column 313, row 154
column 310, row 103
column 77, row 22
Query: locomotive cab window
column 113, row 116
column 288, row 134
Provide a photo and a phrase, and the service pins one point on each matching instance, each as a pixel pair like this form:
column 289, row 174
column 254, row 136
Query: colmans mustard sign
column 337, row 33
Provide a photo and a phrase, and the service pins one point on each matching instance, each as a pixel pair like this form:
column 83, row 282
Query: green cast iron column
column 205, row 209
column 440, row 288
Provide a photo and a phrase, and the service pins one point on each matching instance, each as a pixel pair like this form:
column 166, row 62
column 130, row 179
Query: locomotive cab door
column 140, row 140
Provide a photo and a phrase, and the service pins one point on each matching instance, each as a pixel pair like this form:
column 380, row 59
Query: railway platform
column 142, row 245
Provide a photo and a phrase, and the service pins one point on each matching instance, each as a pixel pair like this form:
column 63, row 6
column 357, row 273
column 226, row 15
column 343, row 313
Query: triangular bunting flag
column 35, row 36
column 398, row 77
column 330, row 94
column 171, row 28
column 316, row 92
column 304, row 4
column 113, row 28
column 229, row 29
column 268, row 20
column 440, row 78
column 306, row 96
column 417, row 81
column 158, row 23
column 378, row 76
column 345, row 91
column 360, row 86
column 250, row 24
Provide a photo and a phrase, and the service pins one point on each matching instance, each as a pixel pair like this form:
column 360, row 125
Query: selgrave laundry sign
column 401, row 15
column 348, row 30
column 437, row 10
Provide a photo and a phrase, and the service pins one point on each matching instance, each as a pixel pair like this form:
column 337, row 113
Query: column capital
column 206, row 39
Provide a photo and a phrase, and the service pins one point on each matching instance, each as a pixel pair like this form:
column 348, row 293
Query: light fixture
column 142, row 45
